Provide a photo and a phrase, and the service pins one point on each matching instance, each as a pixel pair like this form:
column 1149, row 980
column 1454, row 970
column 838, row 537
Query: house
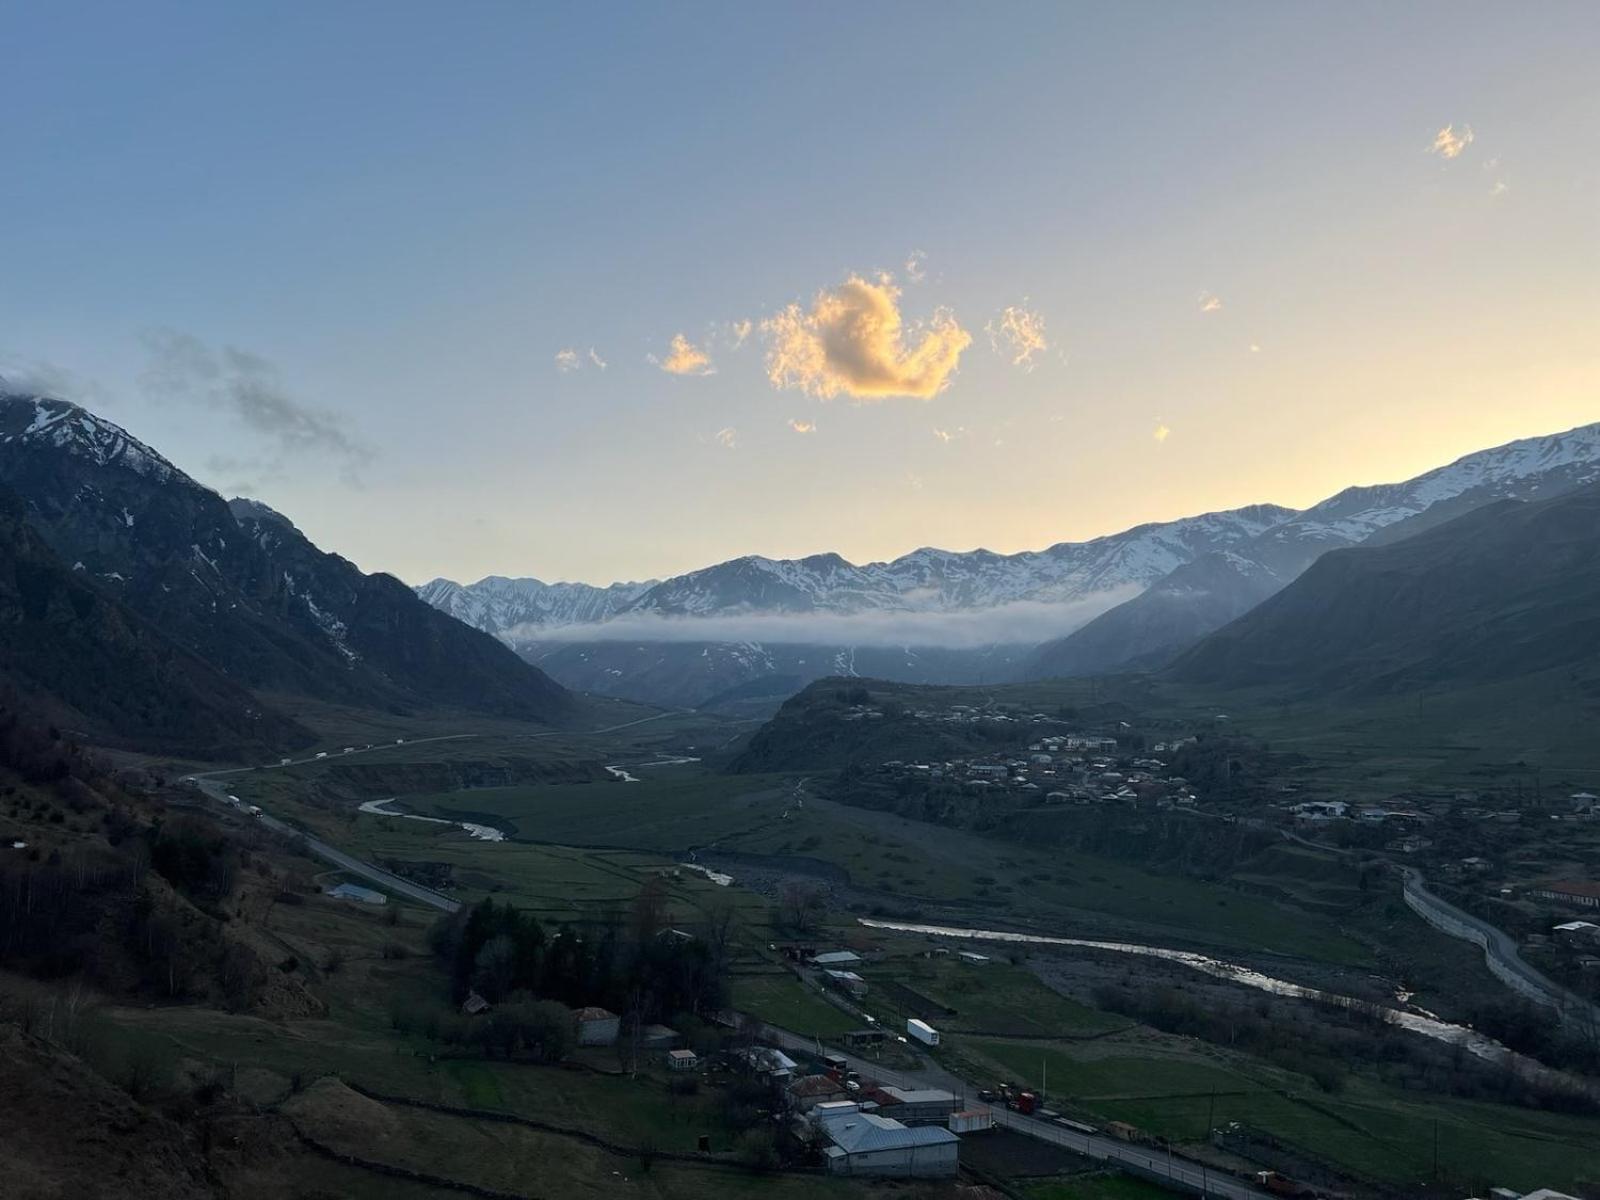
column 597, row 1026
column 770, row 1063
column 474, row 1005
column 847, row 981
column 916, row 1106
column 866, row 1144
column 351, row 891
column 864, row 1037
column 809, row 1091
column 682, row 1060
column 1580, row 893
column 972, row 958
column 836, row 958
column 1577, row 933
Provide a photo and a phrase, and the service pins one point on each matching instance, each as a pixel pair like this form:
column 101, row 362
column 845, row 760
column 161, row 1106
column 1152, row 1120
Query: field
column 1373, row 1131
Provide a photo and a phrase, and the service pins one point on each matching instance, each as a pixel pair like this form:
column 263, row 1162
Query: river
column 483, row 833
column 1456, row 1035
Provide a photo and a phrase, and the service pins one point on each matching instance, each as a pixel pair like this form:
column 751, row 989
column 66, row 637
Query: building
column 809, row 1091
column 973, row 959
column 351, row 891
column 837, row 958
column 682, row 1060
column 919, row 1106
column 1580, row 893
column 597, row 1026
column 847, row 981
column 865, row 1144
column 474, row 1005
column 771, row 1063
column 1577, row 933
column 864, row 1037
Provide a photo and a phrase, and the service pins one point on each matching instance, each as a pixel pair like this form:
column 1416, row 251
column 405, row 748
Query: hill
column 239, row 586
column 1501, row 593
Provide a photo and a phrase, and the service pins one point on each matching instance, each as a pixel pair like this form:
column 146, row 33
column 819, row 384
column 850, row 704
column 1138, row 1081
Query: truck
column 922, row 1031
column 255, row 810
column 836, row 1067
column 1282, row 1185
column 1024, row 1103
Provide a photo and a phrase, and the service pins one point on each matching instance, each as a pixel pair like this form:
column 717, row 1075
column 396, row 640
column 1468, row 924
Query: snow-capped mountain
column 925, row 580
column 237, row 585
column 499, row 605
column 1198, row 598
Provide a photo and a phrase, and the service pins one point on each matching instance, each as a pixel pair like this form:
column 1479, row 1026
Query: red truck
column 1282, row 1185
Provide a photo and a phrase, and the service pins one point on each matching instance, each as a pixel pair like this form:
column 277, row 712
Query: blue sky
column 328, row 254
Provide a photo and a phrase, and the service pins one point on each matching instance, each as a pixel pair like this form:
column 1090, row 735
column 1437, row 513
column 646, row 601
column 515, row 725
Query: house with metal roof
column 866, row 1144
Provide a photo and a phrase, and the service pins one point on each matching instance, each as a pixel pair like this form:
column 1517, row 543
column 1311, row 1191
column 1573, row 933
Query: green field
column 1372, row 1130
column 782, row 1000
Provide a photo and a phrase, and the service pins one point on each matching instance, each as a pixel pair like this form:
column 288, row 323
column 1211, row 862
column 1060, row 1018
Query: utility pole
column 1436, row 1149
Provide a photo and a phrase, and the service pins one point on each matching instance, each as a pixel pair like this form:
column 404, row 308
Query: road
column 207, row 782
column 1499, row 951
column 1156, row 1163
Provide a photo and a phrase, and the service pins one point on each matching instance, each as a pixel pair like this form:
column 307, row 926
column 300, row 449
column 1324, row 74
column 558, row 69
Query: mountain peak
column 32, row 420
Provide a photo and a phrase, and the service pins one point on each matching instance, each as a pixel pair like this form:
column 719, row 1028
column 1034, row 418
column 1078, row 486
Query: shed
column 837, row 958
column 682, row 1060
column 597, row 1026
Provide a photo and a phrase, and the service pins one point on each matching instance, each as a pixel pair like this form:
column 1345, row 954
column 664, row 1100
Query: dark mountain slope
column 1503, row 592
column 63, row 639
column 1190, row 603
column 240, row 587
column 1168, row 617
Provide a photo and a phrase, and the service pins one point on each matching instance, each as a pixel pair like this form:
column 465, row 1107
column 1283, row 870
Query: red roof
column 1581, row 887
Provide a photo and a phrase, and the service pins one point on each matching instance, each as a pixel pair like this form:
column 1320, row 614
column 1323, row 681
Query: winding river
column 483, row 833
column 1456, row 1035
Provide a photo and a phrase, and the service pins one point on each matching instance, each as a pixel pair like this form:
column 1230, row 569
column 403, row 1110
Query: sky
column 606, row 292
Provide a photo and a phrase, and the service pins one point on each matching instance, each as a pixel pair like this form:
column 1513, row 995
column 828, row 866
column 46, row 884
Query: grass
column 782, row 1000
column 1367, row 1128
column 995, row 998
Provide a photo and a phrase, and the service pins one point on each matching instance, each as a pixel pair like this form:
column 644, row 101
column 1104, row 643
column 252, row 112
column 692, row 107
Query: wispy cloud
column 853, row 341
column 727, row 438
column 1255, row 348
column 685, row 358
column 916, row 266
column 248, row 387
column 42, row 378
column 739, row 332
column 567, row 360
column 1022, row 622
column 1210, row 303
column 799, row 426
column 949, row 435
column 1019, row 334
column 1161, row 433
column 1450, row 142
column 594, row 357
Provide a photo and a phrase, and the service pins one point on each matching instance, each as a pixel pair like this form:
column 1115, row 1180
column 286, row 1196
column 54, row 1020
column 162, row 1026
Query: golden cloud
column 727, row 438
column 685, row 358
column 1210, row 303
column 1019, row 333
column 853, row 341
column 1447, row 143
column 1161, row 433
column 799, row 426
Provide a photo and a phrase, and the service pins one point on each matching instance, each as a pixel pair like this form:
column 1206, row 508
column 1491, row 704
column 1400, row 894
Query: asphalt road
column 1501, row 949
column 1179, row 1170
column 209, row 782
